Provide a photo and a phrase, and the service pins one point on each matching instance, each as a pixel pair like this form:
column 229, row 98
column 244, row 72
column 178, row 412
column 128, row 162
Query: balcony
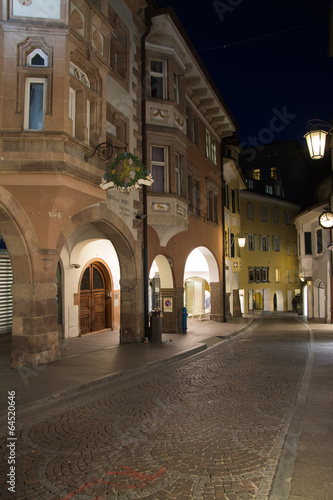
column 167, row 215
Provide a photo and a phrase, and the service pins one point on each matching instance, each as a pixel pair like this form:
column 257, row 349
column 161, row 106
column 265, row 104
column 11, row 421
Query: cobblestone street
column 208, row 427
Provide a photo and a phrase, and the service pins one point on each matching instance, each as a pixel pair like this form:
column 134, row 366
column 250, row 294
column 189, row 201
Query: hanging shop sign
column 126, row 173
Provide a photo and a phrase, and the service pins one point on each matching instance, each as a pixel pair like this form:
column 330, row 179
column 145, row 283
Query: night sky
column 268, row 58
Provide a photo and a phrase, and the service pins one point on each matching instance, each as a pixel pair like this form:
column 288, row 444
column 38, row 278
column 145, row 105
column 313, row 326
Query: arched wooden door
column 94, row 302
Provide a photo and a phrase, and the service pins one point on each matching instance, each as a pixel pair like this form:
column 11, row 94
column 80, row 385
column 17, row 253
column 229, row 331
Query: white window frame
column 264, row 243
column 28, row 82
column 250, row 210
column 176, row 87
column 263, row 214
column 276, row 243
column 72, row 108
column 251, row 242
column 42, row 54
column 277, row 275
column 163, row 164
column 158, row 75
column 178, row 178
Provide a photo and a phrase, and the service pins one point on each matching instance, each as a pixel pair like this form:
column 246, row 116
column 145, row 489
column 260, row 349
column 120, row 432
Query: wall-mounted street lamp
column 241, row 241
column 316, row 138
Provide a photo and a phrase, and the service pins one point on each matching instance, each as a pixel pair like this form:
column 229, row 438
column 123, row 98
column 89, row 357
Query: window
column 159, row 169
column 288, row 248
column 268, row 189
column 275, row 215
column 178, row 174
column 277, row 275
column 37, row 58
column 251, row 242
column 35, row 103
column 176, row 88
column 226, row 195
column 319, row 241
column 226, row 243
column 307, row 243
column 274, row 173
column 72, row 108
column 289, row 276
column 190, row 192
column 264, row 274
column 250, row 183
column 210, row 148
column 263, row 214
column 276, row 243
column 207, row 144
column 251, row 274
column 157, row 79
column 84, row 106
column 118, row 48
column 116, row 129
column 233, row 242
column 256, row 174
column 250, row 211
column 196, row 197
column 264, row 243
column 287, row 217
column 192, row 126
column 234, row 200
column 212, row 206
column 258, row 274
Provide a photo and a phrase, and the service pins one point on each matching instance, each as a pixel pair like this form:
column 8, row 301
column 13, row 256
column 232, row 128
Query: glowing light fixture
column 316, row 138
column 241, row 241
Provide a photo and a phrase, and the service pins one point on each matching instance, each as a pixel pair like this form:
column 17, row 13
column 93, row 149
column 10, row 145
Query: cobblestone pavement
column 209, row 427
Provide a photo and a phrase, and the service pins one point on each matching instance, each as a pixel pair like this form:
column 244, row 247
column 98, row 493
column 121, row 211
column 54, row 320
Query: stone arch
column 32, row 341
column 130, row 261
column 209, row 272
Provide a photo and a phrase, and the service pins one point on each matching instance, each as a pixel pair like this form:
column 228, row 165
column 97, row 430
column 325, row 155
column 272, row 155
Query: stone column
column 236, row 304
column 217, row 302
column 35, row 324
column 131, row 311
column 172, row 315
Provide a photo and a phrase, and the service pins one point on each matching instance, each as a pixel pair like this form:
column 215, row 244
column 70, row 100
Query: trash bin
column 155, row 327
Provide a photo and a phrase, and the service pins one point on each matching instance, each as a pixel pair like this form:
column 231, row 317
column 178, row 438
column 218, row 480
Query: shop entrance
column 94, row 299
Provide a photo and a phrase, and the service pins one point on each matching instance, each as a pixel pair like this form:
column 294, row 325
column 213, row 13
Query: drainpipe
column 224, row 298
column 148, row 21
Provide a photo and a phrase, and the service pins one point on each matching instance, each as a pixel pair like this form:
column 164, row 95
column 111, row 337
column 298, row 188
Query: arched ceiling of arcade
column 202, row 263
column 99, row 222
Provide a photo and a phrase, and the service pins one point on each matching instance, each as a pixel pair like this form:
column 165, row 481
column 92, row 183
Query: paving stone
column 204, row 428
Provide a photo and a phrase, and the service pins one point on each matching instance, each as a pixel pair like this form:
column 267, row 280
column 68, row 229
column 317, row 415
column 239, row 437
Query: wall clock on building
column 326, row 220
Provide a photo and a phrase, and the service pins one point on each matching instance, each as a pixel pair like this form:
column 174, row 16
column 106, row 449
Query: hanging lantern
column 316, row 141
column 241, row 241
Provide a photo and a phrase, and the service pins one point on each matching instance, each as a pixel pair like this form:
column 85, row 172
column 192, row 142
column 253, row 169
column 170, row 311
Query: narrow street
column 212, row 426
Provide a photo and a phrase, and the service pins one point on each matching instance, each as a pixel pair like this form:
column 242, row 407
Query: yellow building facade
column 268, row 277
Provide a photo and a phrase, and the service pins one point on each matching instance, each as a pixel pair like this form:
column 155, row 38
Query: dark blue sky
column 268, row 58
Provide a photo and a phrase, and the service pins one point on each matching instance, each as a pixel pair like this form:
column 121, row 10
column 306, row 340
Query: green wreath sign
column 126, row 173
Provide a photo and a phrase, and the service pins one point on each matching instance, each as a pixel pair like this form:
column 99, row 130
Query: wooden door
column 92, row 299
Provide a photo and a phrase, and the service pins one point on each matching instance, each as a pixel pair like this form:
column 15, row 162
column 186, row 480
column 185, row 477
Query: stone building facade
column 69, row 81
column 82, row 84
